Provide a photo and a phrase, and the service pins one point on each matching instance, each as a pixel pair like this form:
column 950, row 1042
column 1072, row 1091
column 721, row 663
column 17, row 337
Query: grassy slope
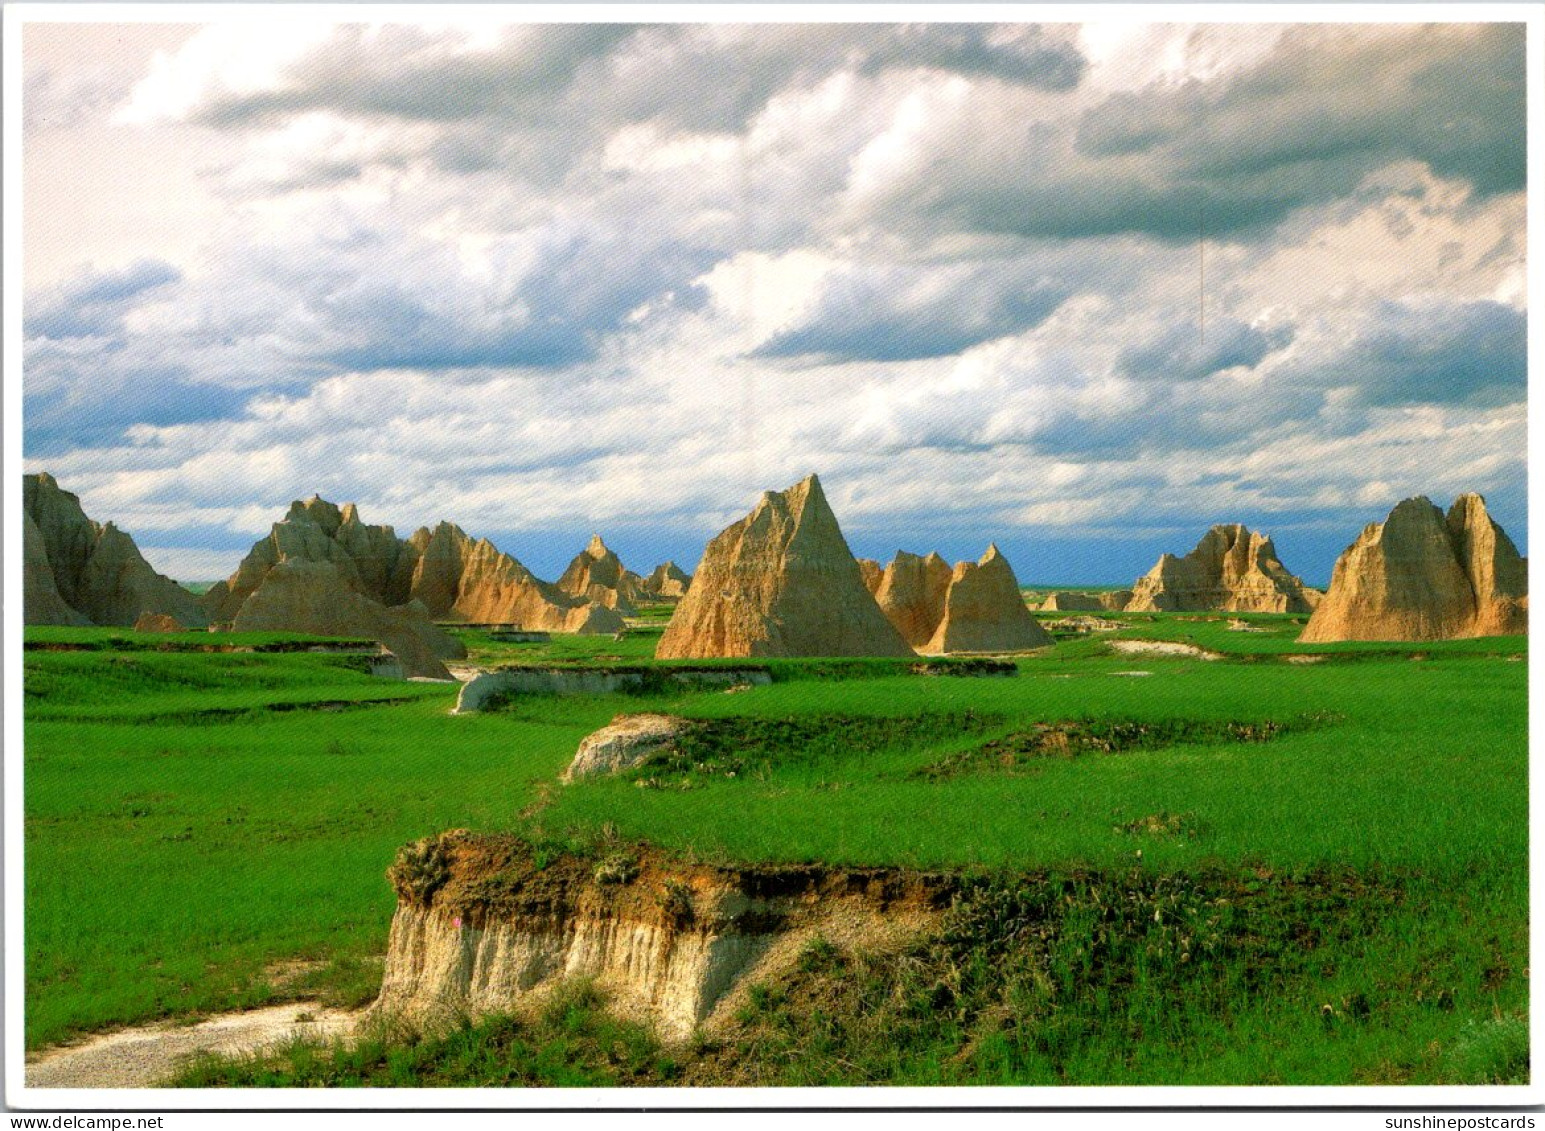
column 167, row 862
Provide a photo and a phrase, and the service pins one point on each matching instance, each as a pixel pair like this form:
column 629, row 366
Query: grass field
column 193, row 821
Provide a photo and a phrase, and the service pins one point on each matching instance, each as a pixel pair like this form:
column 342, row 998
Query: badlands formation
column 597, row 575
column 1232, row 570
column 780, row 582
column 975, row 607
column 1419, row 575
column 984, row 611
column 443, row 570
column 667, row 583
column 80, row 572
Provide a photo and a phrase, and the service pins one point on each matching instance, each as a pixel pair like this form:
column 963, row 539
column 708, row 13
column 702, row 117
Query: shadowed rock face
column 912, row 593
column 781, row 582
column 1231, row 570
column 597, row 575
column 312, row 596
column 1113, row 602
column 872, row 572
column 667, row 583
column 80, row 572
column 474, row 581
column 984, row 611
column 1419, row 575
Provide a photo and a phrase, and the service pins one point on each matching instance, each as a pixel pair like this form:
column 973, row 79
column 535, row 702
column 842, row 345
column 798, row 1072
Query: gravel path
column 144, row 1057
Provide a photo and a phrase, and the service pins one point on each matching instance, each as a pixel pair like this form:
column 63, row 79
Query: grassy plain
column 194, row 820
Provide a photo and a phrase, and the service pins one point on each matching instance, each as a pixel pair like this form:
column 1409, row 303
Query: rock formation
column 158, row 622
column 667, row 583
column 1232, row 570
column 451, row 576
column 459, row 579
column 872, row 572
column 911, row 594
column 81, row 572
column 314, row 597
column 622, row 744
column 597, row 575
column 780, row 582
column 1111, row 601
column 1421, row 576
column 984, row 611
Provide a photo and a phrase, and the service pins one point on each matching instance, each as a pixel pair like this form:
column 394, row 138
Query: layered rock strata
column 481, row 928
column 80, row 572
column 1421, row 575
column 780, row 582
column 1231, row 570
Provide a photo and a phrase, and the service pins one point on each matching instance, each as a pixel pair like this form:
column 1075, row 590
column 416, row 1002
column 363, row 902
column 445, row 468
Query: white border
column 15, row 16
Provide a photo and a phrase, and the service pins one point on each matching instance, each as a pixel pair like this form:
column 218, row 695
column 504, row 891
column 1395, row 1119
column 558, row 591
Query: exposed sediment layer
column 480, row 927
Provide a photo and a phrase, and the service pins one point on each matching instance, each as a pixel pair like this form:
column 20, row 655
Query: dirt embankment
column 485, row 923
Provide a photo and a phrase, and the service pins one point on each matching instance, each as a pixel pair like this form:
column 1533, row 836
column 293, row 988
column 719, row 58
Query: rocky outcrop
column 481, row 928
column 314, row 597
column 984, row 611
column 80, row 572
column 622, row 744
column 781, row 582
column 1419, row 575
column 597, row 575
column 1092, row 601
column 443, row 570
column 461, row 580
column 1232, row 570
column 158, row 622
column 667, row 582
column 872, row 572
column 911, row 594
column 41, row 601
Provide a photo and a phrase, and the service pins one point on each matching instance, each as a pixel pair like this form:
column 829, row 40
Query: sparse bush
column 420, row 869
column 617, row 869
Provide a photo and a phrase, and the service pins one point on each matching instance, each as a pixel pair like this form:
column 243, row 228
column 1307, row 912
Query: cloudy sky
column 1081, row 289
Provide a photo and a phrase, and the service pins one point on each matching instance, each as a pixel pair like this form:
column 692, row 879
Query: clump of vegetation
column 1164, row 824
column 1078, row 737
column 574, row 1043
column 420, row 869
column 619, row 868
column 675, row 899
column 742, row 746
column 1035, row 979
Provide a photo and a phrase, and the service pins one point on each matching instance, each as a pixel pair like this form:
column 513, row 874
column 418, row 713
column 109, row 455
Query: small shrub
column 676, row 901
column 617, row 869
column 420, row 869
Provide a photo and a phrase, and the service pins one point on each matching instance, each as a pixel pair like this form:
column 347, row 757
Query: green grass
column 127, row 639
column 192, row 819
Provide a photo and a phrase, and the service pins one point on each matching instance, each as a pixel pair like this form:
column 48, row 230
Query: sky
column 1081, row 290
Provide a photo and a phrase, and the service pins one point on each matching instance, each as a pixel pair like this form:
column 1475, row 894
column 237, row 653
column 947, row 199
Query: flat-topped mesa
column 911, row 593
column 1419, row 575
column 1231, row 570
column 596, row 574
column 780, row 582
column 984, row 611
column 80, row 572
column 667, row 582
